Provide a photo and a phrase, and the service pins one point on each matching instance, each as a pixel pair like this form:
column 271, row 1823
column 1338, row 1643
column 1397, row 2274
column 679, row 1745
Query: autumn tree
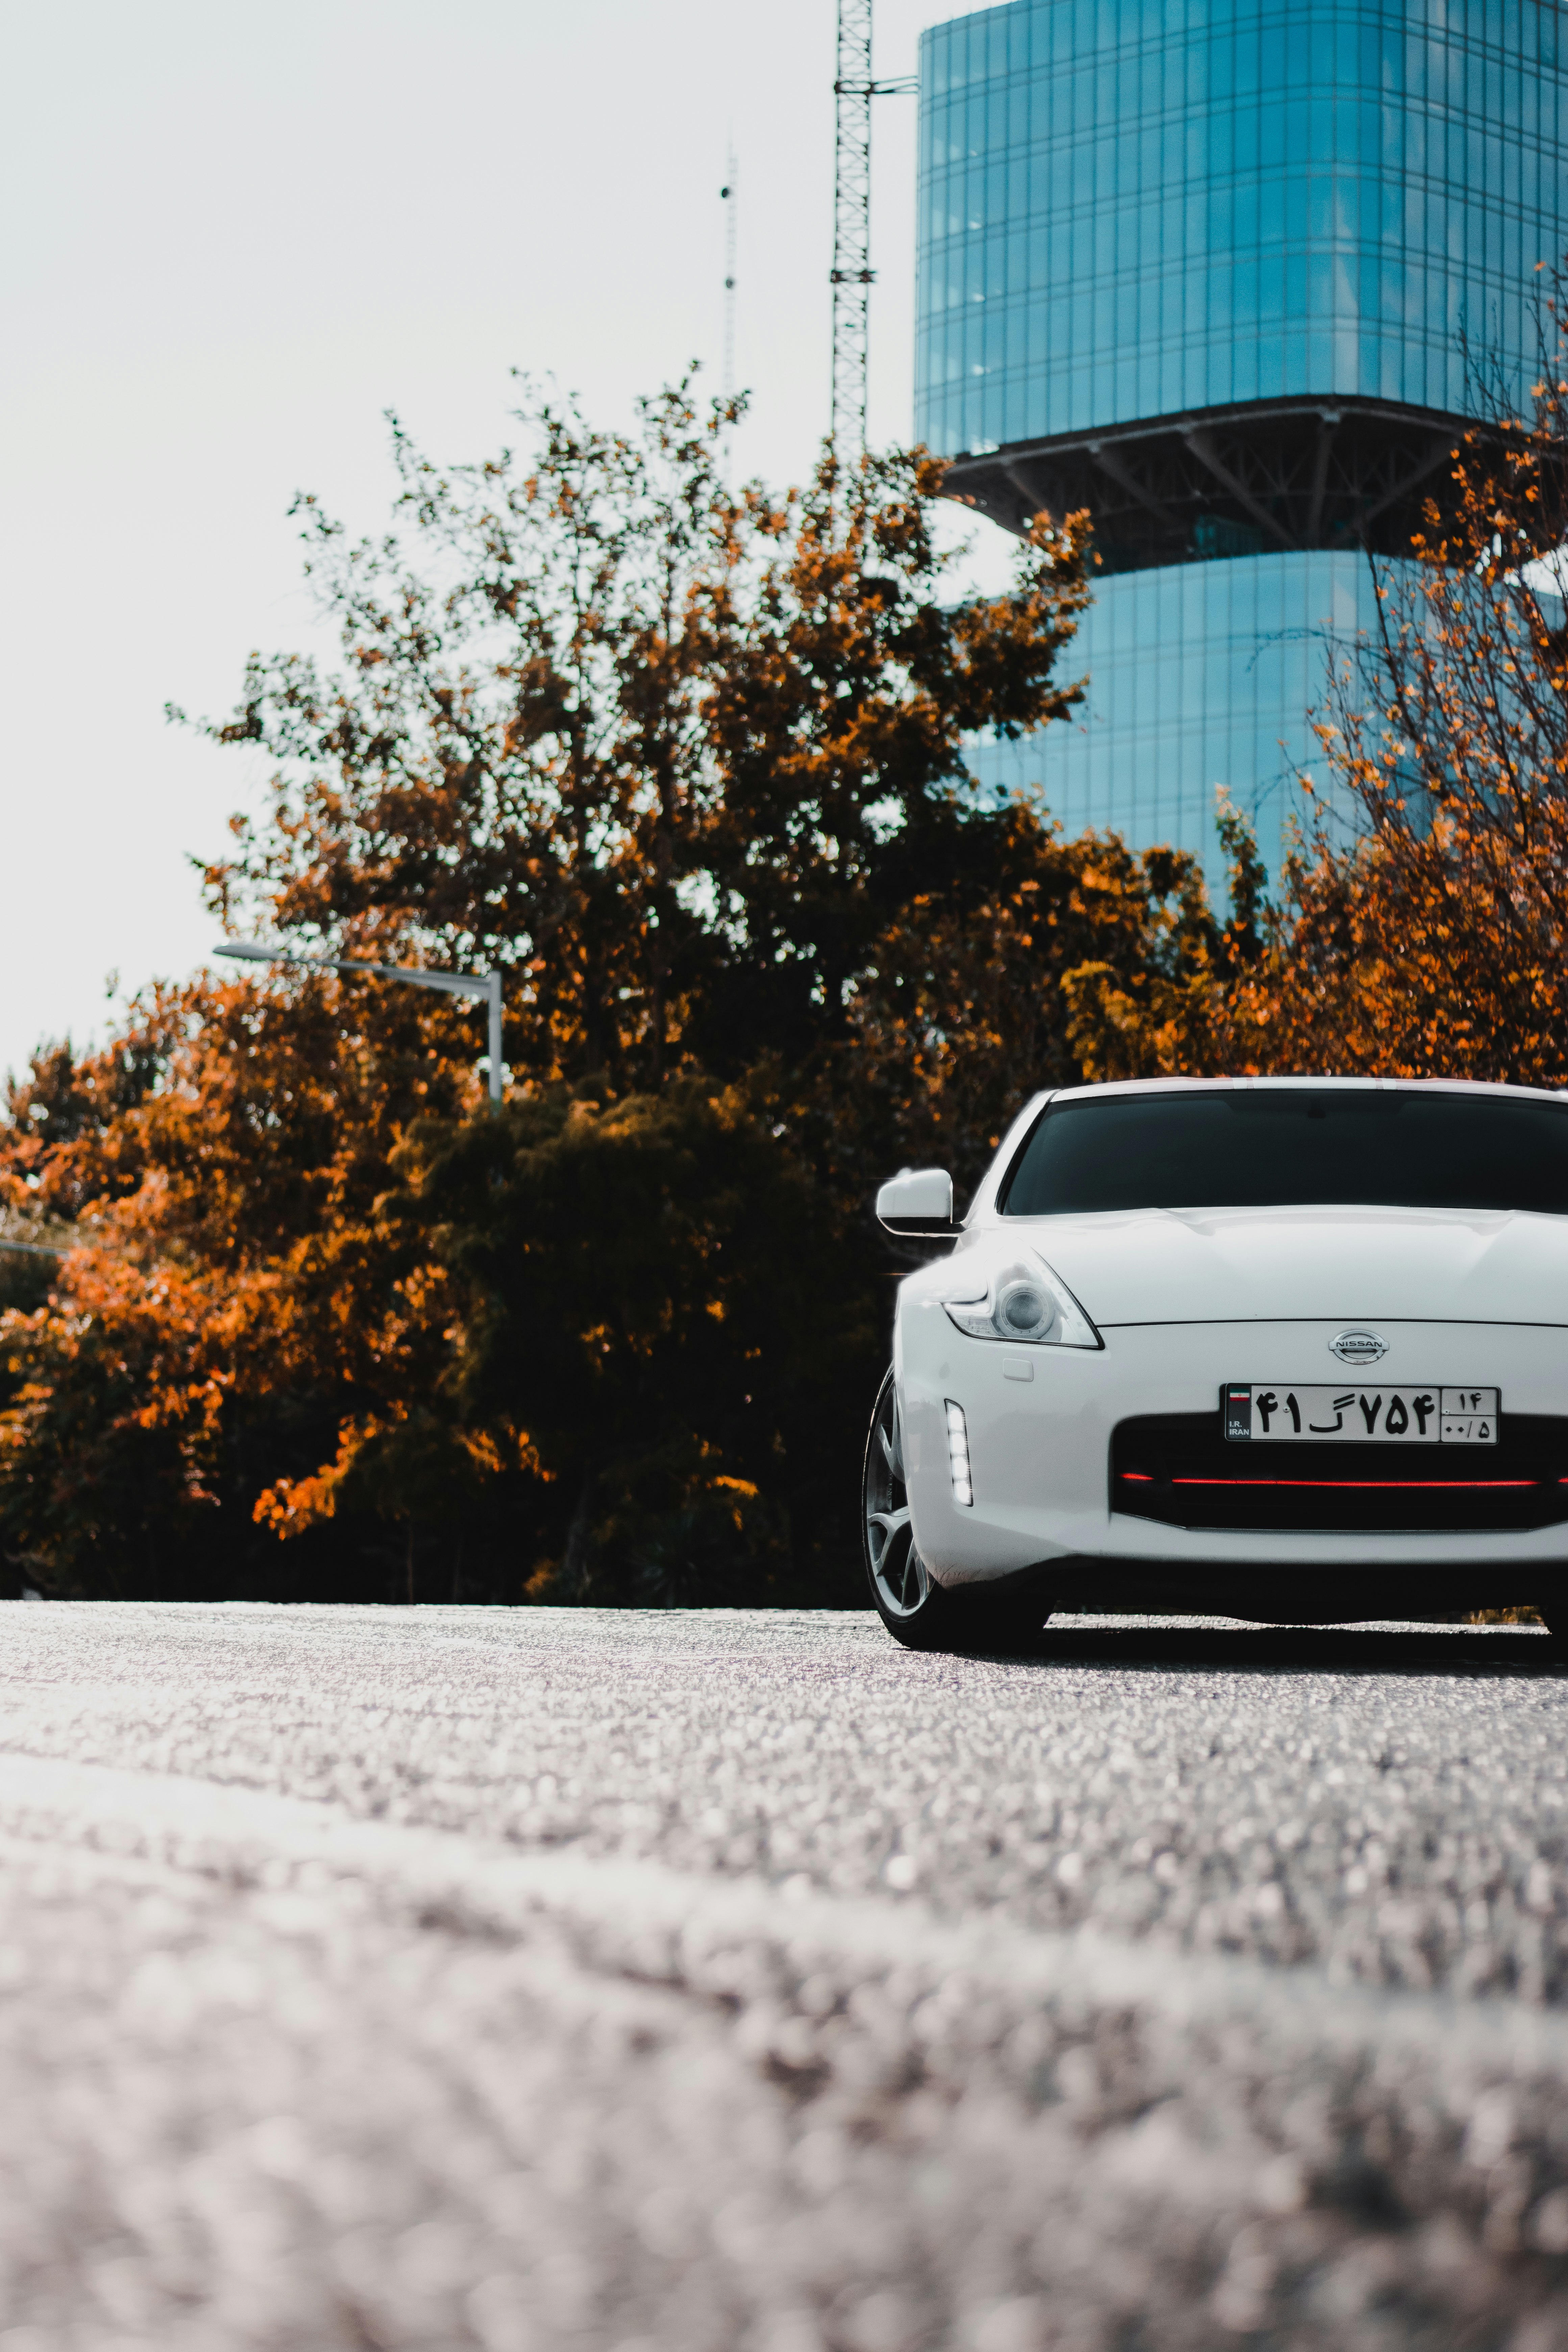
column 1420, row 929
column 687, row 763
column 1022, row 964
column 670, row 754
column 230, row 1295
column 1435, row 944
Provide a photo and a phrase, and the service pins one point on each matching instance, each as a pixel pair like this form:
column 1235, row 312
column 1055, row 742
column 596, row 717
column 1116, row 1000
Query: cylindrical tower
column 1231, row 274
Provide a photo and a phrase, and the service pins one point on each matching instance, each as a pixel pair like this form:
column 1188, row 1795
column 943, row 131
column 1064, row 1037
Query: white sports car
column 1291, row 1349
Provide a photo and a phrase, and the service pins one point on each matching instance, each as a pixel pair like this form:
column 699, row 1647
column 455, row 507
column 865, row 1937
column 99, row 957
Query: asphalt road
column 718, row 1983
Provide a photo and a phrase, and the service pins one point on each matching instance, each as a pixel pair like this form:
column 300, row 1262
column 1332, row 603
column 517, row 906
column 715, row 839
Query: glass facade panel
column 1139, row 209
column 1255, row 199
column 1200, row 675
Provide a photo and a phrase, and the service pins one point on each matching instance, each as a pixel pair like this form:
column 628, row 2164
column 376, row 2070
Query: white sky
column 236, row 235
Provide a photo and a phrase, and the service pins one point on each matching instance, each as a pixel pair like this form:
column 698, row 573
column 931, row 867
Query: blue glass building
column 1232, row 274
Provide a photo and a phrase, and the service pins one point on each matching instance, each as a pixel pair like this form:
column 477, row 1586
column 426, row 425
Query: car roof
column 1175, row 1085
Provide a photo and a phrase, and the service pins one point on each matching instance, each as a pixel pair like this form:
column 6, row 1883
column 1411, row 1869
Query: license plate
column 1359, row 1416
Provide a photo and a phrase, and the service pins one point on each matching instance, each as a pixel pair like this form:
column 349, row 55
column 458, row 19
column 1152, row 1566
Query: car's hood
column 1210, row 1265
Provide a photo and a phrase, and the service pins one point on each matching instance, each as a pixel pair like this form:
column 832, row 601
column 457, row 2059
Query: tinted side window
column 1311, row 1145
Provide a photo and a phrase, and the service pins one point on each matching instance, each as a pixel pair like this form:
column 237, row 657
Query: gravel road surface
column 724, row 1982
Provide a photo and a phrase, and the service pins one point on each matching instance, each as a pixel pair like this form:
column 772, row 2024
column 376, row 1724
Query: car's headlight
column 1022, row 1302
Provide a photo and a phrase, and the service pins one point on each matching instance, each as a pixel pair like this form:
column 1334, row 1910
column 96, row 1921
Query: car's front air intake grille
column 1179, row 1468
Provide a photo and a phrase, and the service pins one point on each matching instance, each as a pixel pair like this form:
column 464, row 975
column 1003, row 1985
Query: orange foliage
column 688, row 767
column 674, row 759
column 1434, row 941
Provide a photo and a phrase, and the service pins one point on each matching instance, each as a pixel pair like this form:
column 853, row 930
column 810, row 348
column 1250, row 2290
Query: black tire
column 918, row 1611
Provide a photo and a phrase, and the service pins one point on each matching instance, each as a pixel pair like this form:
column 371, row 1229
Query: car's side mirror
column 918, row 1201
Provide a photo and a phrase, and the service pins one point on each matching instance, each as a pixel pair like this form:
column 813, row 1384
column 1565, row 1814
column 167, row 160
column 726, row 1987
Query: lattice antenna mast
column 851, row 229
column 853, row 91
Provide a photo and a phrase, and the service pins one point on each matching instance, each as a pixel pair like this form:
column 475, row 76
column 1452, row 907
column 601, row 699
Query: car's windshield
column 1297, row 1145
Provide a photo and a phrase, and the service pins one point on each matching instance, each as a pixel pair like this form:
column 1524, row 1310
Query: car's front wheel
column 915, row 1609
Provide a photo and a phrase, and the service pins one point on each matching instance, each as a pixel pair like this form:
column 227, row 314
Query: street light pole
column 456, row 983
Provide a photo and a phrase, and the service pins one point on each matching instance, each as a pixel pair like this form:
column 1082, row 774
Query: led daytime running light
column 958, row 1456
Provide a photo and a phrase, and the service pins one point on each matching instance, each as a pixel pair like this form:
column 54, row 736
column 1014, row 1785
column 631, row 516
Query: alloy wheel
column 900, row 1574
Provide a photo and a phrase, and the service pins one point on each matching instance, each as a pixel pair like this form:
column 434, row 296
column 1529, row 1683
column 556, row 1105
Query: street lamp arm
column 456, row 983
column 459, row 984
column 487, row 984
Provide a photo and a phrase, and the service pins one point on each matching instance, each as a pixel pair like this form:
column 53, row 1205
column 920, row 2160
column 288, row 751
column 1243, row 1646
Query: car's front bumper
column 1040, row 1422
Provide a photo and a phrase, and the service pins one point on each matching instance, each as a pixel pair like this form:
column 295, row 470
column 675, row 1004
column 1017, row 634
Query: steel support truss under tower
column 853, row 91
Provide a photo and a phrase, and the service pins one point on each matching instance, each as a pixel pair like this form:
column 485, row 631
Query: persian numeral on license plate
column 1369, row 1414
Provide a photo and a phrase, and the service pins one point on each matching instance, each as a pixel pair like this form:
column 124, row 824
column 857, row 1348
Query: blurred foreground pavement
column 720, row 1983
